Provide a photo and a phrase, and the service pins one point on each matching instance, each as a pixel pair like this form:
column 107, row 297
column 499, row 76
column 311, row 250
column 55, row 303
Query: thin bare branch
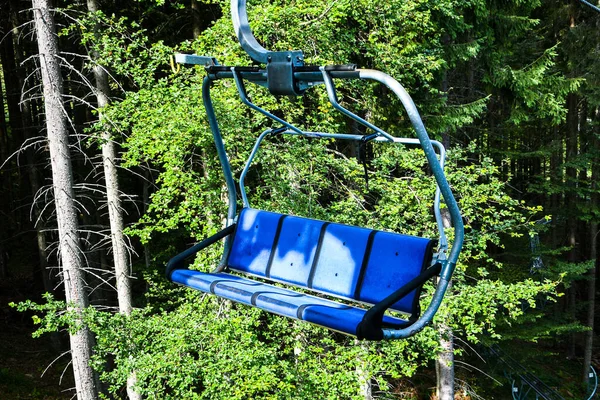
column 54, row 361
column 36, row 140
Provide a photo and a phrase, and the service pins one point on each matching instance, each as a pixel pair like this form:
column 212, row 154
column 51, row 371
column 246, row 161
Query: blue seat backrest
column 345, row 261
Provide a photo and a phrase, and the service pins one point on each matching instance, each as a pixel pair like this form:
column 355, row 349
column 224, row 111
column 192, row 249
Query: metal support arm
column 177, row 261
column 280, row 64
column 239, row 16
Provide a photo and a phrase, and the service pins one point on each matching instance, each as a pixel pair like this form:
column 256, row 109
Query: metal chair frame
column 286, row 74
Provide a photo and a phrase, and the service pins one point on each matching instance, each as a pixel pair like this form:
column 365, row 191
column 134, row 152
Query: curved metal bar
column 427, row 146
column 309, row 78
column 455, row 215
column 443, row 245
column 244, row 97
column 239, row 16
column 226, row 167
column 331, row 94
column 247, row 166
column 595, row 376
column 177, row 262
column 443, row 241
column 330, row 87
column 587, row 3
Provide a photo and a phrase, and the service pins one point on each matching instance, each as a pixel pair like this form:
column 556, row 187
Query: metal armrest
column 177, row 261
column 371, row 326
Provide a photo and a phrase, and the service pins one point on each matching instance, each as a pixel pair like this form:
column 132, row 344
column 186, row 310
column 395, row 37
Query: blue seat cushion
column 330, row 314
column 345, row 261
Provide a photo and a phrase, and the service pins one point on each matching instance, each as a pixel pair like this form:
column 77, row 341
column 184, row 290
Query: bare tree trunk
column 556, row 178
column 196, row 20
column 145, row 202
column 571, row 146
column 66, row 213
column 3, row 128
column 4, row 187
column 112, row 191
column 444, row 365
column 113, row 200
column 593, row 232
column 364, row 377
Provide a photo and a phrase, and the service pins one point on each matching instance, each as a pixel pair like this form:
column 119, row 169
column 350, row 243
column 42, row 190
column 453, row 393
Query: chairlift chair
column 338, row 276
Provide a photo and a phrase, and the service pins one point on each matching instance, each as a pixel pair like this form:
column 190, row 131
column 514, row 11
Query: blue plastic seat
column 346, row 262
column 285, row 302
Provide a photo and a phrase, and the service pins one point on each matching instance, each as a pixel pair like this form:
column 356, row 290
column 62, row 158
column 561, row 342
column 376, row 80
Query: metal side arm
column 371, row 326
column 177, row 261
column 447, row 266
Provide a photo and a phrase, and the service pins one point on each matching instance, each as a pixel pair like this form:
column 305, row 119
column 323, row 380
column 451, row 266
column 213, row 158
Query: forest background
column 510, row 87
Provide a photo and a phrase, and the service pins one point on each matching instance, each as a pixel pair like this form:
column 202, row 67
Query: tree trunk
column 364, row 377
column 4, row 187
column 3, row 128
column 145, row 203
column 444, row 365
column 557, row 180
column 112, row 190
column 571, row 147
column 62, row 179
column 120, row 255
column 593, row 233
column 591, row 299
column 196, row 20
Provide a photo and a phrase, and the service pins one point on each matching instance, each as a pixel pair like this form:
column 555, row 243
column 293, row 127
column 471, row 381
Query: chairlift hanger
column 362, row 272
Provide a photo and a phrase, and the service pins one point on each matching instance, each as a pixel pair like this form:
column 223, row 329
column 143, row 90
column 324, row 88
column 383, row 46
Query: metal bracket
column 280, row 72
column 280, row 64
column 192, row 59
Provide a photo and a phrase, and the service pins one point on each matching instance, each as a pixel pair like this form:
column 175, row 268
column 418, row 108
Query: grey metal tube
column 259, row 77
column 443, row 245
column 595, row 376
column 247, row 166
column 448, row 265
column 330, row 87
column 425, row 319
column 239, row 16
column 244, row 97
column 214, row 127
column 438, row 173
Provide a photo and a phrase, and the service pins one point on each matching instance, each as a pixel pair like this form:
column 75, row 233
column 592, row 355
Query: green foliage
column 52, row 316
column 206, row 348
column 568, row 271
column 492, row 303
column 186, row 345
